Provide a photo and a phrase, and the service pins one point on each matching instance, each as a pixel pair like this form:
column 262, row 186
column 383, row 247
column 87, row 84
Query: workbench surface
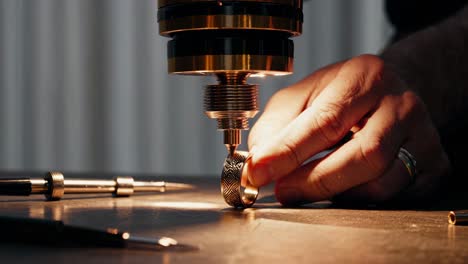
column 266, row 233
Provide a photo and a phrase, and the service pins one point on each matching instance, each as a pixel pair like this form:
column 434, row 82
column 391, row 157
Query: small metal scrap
column 54, row 186
column 458, row 217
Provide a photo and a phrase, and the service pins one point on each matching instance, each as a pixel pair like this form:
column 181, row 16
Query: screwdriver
column 54, row 186
column 56, row 233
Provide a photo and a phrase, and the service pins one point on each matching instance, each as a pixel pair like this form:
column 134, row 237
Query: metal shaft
column 57, row 233
column 54, row 186
column 232, row 102
column 458, row 217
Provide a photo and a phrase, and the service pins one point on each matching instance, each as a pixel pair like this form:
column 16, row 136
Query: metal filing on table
column 54, row 186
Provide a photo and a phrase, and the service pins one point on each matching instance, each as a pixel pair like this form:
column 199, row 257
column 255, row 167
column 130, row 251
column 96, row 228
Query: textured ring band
column 409, row 161
column 236, row 192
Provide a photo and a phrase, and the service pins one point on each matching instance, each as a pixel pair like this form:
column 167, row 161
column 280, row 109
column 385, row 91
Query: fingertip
column 288, row 196
column 259, row 174
column 253, row 149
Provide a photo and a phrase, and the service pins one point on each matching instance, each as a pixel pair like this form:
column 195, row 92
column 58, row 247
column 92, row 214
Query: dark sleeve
column 408, row 16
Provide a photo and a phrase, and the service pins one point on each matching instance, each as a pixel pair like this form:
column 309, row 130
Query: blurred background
column 84, row 85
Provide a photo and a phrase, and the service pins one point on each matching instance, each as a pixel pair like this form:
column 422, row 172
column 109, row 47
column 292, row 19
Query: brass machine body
column 232, row 40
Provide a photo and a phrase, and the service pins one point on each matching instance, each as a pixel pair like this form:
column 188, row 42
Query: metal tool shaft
column 54, row 186
column 54, row 232
column 458, row 217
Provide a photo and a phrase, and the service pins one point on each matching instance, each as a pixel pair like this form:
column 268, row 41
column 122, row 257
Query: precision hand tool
column 231, row 40
column 54, row 186
column 56, row 233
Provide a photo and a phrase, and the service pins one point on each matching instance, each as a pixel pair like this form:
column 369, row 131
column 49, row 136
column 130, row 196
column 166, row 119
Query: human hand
column 362, row 95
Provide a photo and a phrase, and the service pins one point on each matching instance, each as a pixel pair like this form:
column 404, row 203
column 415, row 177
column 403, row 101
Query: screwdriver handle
column 18, row 186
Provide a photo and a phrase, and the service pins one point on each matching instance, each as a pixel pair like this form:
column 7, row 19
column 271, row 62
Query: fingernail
column 252, row 150
column 288, row 196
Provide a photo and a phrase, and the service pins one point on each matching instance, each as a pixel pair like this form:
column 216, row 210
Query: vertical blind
column 84, row 85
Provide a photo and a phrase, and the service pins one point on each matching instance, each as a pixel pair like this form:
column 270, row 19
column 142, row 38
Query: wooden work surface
column 266, row 233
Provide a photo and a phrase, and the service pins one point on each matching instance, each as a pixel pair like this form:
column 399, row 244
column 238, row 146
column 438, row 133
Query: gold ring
column 409, row 161
column 236, row 192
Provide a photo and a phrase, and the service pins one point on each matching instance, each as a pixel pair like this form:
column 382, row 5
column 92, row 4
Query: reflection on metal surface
column 208, row 64
column 167, row 241
column 122, row 208
column 451, row 233
column 54, row 213
column 185, row 16
column 178, row 2
column 124, row 186
column 241, row 22
column 166, row 259
column 36, row 212
column 126, row 235
column 248, row 215
column 39, row 185
column 186, row 205
column 57, row 213
column 87, row 186
column 113, row 231
column 56, row 185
